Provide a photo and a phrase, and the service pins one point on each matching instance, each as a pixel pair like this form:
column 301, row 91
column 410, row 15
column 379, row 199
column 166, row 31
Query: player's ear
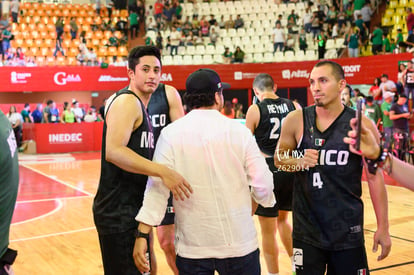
column 342, row 85
column 131, row 74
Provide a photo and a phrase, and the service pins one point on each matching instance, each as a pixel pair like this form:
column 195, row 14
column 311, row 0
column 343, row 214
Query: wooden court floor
column 54, row 233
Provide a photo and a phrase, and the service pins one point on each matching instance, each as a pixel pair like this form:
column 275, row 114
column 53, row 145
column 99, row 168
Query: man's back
column 212, row 153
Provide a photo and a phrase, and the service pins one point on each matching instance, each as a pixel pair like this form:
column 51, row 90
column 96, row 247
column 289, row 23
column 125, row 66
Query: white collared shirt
column 220, row 159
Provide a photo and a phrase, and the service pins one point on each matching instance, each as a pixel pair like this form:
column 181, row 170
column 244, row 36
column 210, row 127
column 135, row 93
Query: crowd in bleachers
column 195, row 32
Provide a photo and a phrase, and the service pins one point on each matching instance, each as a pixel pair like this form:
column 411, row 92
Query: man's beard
column 319, row 103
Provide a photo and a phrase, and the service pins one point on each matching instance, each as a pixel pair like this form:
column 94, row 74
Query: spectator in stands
column 113, row 41
column 59, row 47
column 178, row 9
column 386, row 121
column 399, row 38
column 346, row 95
column 386, row 44
column 303, row 44
column 91, row 115
column 238, row 55
column 25, row 113
column 407, row 77
column 73, row 28
column 278, row 37
column 387, row 85
column 279, row 19
column 307, row 19
column 410, row 20
column 168, row 14
column 149, row 41
column 366, row 13
column 341, row 18
column 363, row 30
column 229, row 23
column 204, row 29
column 7, row 35
column 59, row 27
column 16, row 121
column 357, row 6
column 321, row 39
column 98, row 7
column 222, row 23
column 109, row 5
column 158, row 9
column 228, row 110
column 213, row 36
column 331, row 16
column 353, row 41
column 67, row 115
column 238, row 23
column 376, row 38
column 372, row 110
column 408, row 44
column 375, row 91
column 315, row 24
column 133, row 24
column 400, row 116
column 14, row 9
column 227, row 56
column 37, row 114
column 92, row 57
column 77, row 111
column 151, row 25
column 122, row 26
column 158, row 42
column 50, row 113
column 175, row 38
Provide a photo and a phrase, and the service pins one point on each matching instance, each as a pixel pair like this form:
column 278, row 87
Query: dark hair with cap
column 263, row 82
column 136, row 53
column 201, row 87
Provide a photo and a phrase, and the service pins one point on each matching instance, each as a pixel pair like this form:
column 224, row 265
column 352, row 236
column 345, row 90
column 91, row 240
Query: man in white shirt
column 278, row 38
column 387, row 85
column 220, row 158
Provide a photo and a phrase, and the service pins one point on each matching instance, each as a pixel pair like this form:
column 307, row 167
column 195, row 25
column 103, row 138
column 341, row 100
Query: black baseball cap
column 205, row 81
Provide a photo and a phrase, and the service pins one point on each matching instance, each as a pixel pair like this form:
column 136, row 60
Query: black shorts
column 169, row 213
column 311, row 260
column 283, row 190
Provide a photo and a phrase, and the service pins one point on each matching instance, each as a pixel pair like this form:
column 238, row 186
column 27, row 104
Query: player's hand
column 382, row 238
column 177, row 184
column 369, row 147
column 310, row 158
column 140, row 249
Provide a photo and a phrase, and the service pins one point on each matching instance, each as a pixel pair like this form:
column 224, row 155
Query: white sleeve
column 259, row 176
column 156, row 194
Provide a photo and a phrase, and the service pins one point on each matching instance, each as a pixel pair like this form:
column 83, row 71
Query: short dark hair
column 194, row 101
column 263, row 82
column 369, row 98
column 136, row 53
column 337, row 69
column 49, row 102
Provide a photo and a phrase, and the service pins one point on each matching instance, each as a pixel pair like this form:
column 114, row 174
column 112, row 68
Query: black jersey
column 159, row 110
column 272, row 113
column 409, row 78
column 327, row 205
column 120, row 193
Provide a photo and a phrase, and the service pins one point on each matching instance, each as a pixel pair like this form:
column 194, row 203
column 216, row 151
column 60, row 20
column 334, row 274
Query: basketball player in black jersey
column 164, row 107
column 127, row 147
column 327, row 207
column 265, row 119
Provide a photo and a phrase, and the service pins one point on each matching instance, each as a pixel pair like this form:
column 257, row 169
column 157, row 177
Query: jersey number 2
column 317, row 181
column 276, row 126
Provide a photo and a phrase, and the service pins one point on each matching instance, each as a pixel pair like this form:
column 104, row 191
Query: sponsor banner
column 240, row 76
column 64, row 138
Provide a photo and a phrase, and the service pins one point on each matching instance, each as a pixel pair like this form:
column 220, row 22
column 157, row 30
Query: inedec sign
column 63, row 138
column 66, row 138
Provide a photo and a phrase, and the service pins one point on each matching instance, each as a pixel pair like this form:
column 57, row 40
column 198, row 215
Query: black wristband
column 139, row 234
column 373, row 164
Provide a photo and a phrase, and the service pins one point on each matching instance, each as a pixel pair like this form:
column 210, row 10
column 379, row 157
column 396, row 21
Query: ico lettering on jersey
column 147, row 140
column 333, row 157
column 158, row 120
column 277, row 108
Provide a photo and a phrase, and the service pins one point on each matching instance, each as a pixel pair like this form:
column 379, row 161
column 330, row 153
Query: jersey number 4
column 275, row 132
column 317, row 181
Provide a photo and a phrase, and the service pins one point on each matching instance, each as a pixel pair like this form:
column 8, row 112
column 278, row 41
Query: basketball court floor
column 54, row 233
